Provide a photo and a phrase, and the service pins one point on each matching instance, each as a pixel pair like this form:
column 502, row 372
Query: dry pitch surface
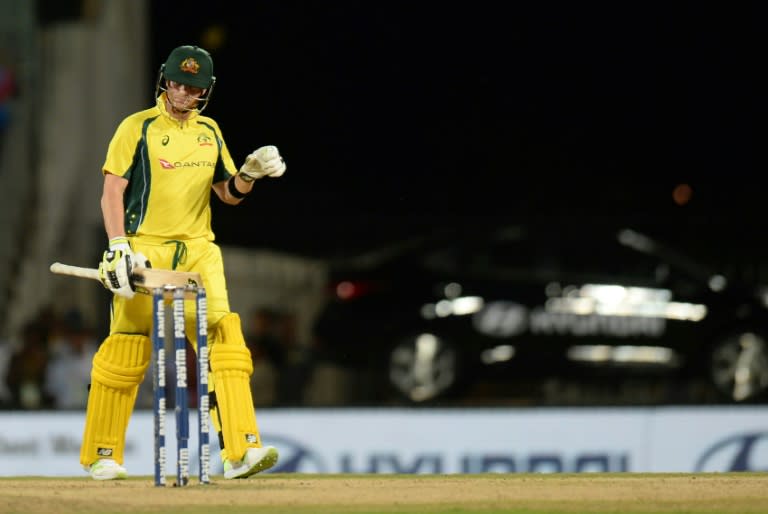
column 456, row 494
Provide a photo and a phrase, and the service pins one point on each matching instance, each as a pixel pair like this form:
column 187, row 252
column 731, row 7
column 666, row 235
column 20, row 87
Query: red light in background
column 682, row 194
column 350, row 290
column 345, row 290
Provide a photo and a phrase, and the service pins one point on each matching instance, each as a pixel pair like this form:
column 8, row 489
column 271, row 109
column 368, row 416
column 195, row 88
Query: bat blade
column 143, row 280
column 151, row 278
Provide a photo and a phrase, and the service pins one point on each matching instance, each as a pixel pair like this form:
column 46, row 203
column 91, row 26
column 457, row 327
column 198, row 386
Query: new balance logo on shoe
column 254, row 461
column 104, row 452
column 106, row 469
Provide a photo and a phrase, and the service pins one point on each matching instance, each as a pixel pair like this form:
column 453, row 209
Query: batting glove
column 263, row 162
column 140, row 261
column 116, row 265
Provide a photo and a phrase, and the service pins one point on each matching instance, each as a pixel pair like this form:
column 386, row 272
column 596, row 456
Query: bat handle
column 75, row 271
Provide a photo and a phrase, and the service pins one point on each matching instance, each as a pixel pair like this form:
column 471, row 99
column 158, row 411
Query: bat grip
column 75, row 271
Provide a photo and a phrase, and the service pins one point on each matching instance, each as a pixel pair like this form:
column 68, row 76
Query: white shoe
column 255, row 461
column 107, row 469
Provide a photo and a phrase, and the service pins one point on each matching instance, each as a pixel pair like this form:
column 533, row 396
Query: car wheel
column 423, row 367
column 740, row 366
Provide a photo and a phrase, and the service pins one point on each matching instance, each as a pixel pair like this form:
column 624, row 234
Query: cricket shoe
column 255, row 461
column 106, row 469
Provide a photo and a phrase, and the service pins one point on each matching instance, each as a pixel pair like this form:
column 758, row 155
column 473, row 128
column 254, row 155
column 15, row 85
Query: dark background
column 395, row 116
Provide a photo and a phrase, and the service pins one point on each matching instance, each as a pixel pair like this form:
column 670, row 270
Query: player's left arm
column 224, row 189
column 263, row 162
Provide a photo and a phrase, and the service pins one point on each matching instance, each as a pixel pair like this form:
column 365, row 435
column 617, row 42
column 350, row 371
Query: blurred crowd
column 49, row 366
column 283, row 365
column 7, row 93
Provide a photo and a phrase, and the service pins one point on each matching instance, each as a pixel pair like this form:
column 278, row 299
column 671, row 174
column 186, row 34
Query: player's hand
column 115, row 267
column 263, row 162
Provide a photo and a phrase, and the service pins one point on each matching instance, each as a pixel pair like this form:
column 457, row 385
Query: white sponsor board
column 669, row 439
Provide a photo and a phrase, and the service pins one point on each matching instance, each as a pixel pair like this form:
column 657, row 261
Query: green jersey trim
column 139, row 177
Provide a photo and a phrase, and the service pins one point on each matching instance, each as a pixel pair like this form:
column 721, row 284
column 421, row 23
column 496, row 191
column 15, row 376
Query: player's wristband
column 234, row 191
column 244, row 177
column 119, row 243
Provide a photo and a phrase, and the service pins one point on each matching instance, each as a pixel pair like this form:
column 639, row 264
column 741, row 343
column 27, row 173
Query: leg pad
column 232, row 408
column 118, row 370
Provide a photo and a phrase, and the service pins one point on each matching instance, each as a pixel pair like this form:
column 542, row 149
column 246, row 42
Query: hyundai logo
column 744, row 452
column 295, row 457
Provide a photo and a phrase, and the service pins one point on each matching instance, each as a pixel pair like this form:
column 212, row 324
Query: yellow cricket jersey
column 170, row 166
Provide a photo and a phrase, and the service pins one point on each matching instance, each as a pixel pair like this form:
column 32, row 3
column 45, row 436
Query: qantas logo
column 168, row 165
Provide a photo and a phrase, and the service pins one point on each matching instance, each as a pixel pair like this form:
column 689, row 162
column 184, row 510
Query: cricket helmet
column 189, row 65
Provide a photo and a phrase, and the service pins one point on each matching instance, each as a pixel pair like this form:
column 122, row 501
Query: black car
column 539, row 314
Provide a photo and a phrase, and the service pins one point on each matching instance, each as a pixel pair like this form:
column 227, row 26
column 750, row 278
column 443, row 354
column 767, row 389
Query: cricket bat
column 143, row 280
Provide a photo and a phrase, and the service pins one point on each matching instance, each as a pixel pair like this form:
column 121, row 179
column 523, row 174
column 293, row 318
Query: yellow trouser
column 118, row 371
column 134, row 316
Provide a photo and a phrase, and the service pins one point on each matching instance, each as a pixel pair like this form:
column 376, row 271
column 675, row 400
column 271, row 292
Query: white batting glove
column 263, row 162
column 141, row 261
column 116, row 265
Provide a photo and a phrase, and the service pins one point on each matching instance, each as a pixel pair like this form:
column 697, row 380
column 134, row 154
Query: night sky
column 396, row 115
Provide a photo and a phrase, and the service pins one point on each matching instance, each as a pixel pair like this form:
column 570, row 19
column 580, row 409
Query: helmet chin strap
column 179, row 110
